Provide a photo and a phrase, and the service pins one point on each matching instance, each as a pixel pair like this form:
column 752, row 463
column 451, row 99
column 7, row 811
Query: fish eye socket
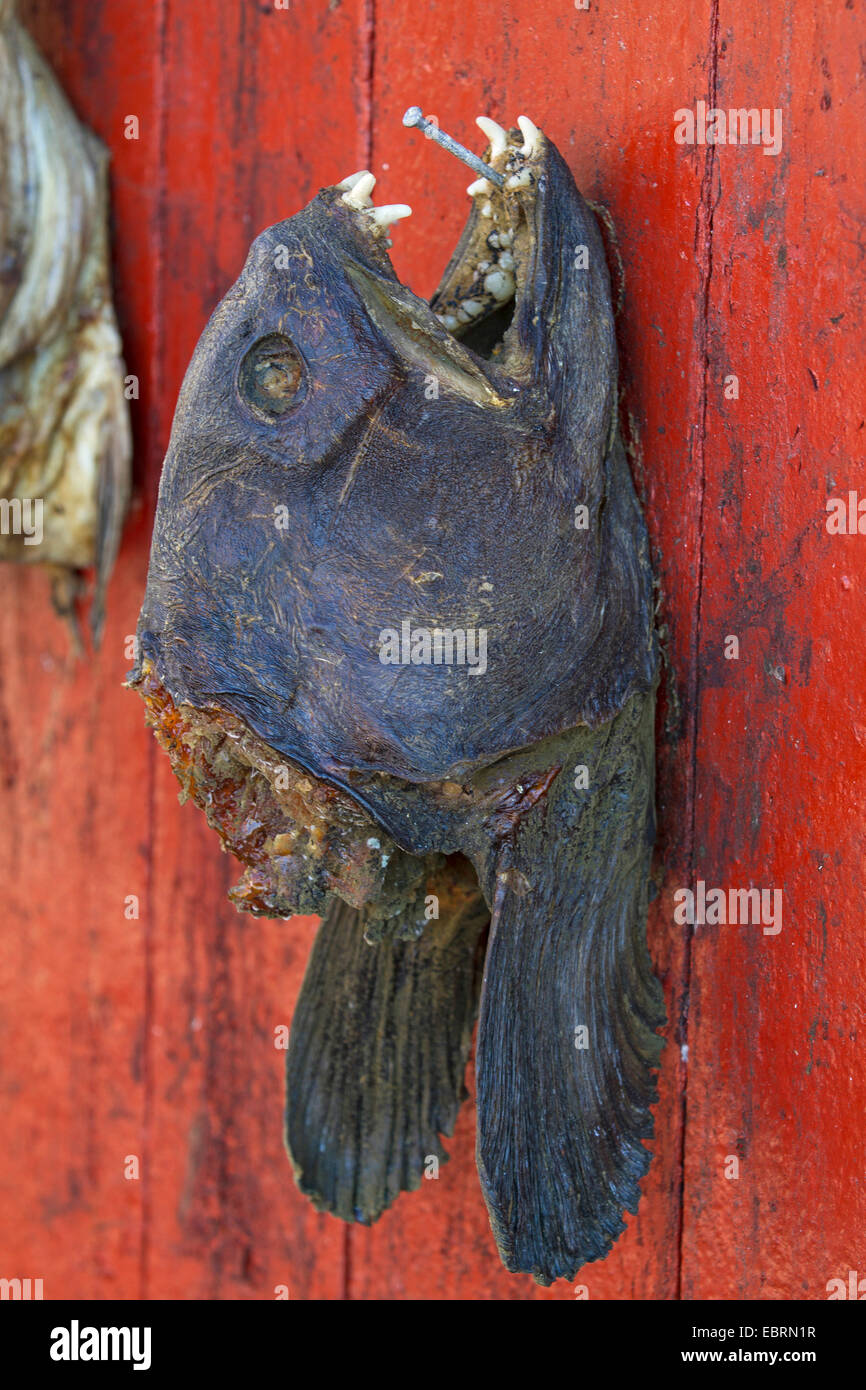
column 271, row 377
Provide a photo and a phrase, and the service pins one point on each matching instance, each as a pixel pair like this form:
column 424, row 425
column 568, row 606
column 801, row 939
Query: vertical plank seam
column 153, row 439
column 704, row 215
column 367, row 62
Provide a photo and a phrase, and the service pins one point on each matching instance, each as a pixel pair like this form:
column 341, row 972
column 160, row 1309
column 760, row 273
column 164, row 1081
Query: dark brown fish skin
column 457, row 511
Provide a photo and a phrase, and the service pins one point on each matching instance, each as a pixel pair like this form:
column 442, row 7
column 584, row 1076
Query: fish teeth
column 480, row 186
column 521, row 180
column 531, row 136
column 499, row 284
column 495, row 134
column 390, row 212
column 358, row 196
column 350, row 182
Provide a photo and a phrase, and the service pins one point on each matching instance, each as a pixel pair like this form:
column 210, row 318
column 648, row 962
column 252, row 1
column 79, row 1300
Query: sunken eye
column 271, row 377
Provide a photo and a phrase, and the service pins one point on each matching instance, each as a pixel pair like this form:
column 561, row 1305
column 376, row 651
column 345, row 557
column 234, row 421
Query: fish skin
column 64, row 419
column 310, row 389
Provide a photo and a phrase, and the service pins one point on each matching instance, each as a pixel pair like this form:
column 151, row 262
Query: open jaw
column 488, row 273
column 476, row 298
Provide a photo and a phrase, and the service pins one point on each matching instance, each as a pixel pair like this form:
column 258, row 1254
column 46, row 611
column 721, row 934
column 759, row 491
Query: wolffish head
column 394, row 538
column 398, row 643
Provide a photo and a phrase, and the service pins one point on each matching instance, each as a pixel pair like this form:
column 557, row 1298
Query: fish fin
column 562, row 1112
column 378, row 1050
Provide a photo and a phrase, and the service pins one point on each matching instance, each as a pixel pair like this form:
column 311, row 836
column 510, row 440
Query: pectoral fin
column 566, row 1041
column 378, row 1050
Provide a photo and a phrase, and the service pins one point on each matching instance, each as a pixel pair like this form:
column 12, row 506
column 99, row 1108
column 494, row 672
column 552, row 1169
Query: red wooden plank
column 773, row 1074
column 74, row 830
column 600, row 84
column 260, row 110
column 154, row 1036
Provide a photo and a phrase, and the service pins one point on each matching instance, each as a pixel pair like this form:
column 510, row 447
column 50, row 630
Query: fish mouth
column 467, row 333
column 478, row 292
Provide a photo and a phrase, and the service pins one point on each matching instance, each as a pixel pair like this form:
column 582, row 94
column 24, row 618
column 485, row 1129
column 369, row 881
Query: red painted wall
column 154, row 1037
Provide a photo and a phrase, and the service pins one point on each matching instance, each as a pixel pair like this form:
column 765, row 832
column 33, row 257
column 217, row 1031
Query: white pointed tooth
column 449, row 321
column 521, row 180
column 506, row 238
column 505, row 260
column 358, row 195
column 349, row 183
column 530, row 133
column 486, row 209
column 472, row 308
column 390, row 212
column 495, row 134
column 480, row 186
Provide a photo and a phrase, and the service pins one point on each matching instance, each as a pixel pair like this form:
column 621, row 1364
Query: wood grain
column 155, row 1036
